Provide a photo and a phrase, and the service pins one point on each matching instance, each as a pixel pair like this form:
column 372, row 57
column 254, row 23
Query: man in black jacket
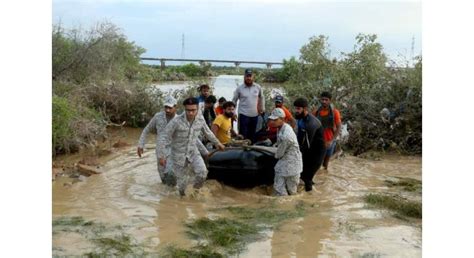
column 311, row 141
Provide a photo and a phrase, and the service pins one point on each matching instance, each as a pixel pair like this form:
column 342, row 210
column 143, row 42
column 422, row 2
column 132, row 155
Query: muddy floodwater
column 129, row 198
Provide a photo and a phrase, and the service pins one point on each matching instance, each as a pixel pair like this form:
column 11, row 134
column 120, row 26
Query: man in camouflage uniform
column 181, row 135
column 290, row 162
column 157, row 124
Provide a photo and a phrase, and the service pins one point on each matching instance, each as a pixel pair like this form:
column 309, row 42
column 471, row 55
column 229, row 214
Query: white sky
column 250, row 30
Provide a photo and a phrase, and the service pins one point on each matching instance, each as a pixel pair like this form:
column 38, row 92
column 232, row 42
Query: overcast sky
column 260, row 30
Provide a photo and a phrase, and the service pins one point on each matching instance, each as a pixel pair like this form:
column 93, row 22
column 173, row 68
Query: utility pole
column 413, row 50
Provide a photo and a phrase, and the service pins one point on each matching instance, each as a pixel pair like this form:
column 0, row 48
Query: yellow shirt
column 225, row 125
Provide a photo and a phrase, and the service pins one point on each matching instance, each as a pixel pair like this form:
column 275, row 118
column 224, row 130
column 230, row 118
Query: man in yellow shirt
column 222, row 125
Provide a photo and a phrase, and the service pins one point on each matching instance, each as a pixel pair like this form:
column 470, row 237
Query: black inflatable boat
column 245, row 166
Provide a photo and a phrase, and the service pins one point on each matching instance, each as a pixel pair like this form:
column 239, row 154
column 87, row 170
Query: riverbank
column 94, row 157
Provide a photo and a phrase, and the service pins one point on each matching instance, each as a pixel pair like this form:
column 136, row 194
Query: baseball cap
column 248, row 72
column 170, row 101
column 277, row 113
column 279, row 98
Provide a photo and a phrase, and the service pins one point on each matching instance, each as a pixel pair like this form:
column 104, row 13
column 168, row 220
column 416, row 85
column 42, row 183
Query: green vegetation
column 97, row 80
column 219, row 237
column 63, row 115
column 266, row 215
column 230, row 234
column 100, row 53
column 195, row 252
column 408, row 184
column 193, row 71
column 79, row 225
column 369, row 255
column 380, row 99
column 118, row 245
column 395, row 203
column 74, row 125
column 72, row 222
column 108, row 240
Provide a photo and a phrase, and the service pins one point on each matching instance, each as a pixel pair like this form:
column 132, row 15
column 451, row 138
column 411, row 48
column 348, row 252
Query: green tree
column 101, row 52
column 363, row 84
column 316, row 58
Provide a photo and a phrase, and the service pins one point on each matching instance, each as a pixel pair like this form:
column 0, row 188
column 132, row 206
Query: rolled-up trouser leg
column 200, row 171
column 279, row 185
column 292, row 183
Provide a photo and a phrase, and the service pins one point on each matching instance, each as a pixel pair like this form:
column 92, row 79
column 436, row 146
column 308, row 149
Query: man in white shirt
column 251, row 105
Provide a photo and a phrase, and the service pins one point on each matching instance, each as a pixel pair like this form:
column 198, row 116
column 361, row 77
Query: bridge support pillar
column 269, row 66
column 162, row 64
column 237, row 66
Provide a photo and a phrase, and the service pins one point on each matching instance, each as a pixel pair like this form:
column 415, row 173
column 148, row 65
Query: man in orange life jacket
column 331, row 120
column 219, row 110
column 272, row 131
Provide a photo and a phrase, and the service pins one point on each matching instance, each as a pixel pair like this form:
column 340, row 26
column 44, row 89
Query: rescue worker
column 290, row 163
column 181, row 135
column 157, row 124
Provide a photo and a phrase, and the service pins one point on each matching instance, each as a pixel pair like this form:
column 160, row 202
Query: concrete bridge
column 203, row 61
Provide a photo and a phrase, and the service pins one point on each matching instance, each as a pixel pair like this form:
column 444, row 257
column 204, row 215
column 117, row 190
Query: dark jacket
column 311, row 139
column 209, row 116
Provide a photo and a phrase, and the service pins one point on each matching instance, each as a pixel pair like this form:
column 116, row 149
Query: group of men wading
column 304, row 142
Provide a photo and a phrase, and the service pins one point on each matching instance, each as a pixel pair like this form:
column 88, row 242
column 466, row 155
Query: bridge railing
column 235, row 62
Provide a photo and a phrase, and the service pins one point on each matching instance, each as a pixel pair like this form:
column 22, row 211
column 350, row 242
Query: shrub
column 63, row 114
column 97, row 76
column 381, row 103
column 118, row 102
column 73, row 125
column 101, row 52
column 191, row 70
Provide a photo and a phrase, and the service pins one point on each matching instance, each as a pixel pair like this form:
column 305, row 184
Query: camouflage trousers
column 194, row 169
column 285, row 185
column 166, row 173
